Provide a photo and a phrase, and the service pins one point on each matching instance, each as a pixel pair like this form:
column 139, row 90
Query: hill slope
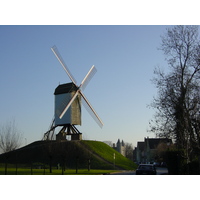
column 107, row 153
column 70, row 154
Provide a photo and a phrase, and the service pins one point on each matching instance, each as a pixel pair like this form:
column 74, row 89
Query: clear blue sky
column 125, row 57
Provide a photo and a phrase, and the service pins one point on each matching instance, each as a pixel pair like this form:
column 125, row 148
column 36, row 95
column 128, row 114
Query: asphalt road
column 160, row 171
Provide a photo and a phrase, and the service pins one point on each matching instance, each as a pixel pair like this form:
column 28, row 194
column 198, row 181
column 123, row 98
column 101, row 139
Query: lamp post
column 114, row 160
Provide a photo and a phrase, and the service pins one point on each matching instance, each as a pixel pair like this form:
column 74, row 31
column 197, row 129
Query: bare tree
column 129, row 151
column 178, row 100
column 10, row 137
column 109, row 143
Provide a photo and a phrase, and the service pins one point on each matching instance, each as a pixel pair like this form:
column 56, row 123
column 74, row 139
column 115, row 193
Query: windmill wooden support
column 69, row 130
column 68, row 99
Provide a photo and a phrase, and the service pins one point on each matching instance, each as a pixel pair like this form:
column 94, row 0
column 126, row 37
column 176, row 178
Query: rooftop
column 65, row 88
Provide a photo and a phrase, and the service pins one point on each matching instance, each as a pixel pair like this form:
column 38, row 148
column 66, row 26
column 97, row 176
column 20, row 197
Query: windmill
column 68, row 99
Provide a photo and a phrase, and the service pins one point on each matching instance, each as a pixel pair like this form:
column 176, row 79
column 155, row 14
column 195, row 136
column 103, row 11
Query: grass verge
column 25, row 171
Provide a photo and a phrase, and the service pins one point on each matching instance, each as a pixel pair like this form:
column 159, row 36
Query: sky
column 124, row 56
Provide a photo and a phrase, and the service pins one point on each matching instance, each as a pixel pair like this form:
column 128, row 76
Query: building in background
column 120, row 147
column 147, row 151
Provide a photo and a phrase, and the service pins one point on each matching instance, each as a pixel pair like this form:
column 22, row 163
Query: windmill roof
column 65, row 88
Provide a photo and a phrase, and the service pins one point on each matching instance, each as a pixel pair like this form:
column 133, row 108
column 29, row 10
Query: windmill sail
column 65, row 102
column 58, row 56
column 91, row 111
column 88, row 77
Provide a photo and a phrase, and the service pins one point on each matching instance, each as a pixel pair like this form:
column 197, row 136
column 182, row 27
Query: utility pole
column 114, row 160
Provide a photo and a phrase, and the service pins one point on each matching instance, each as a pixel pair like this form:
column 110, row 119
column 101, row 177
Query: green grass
column 107, row 153
column 27, row 171
column 75, row 153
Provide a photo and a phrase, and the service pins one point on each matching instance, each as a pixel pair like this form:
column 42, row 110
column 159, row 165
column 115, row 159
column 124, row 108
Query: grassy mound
column 107, row 153
column 71, row 154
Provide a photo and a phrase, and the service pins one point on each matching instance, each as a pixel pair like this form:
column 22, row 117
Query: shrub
column 175, row 161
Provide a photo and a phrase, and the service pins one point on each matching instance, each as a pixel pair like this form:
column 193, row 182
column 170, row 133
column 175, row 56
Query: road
column 160, row 171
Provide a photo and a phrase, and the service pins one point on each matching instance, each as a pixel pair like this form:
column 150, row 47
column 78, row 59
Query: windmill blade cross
column 58, row 56
column 83, row 84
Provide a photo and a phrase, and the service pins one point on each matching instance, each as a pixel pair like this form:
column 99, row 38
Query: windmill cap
column 65, row 88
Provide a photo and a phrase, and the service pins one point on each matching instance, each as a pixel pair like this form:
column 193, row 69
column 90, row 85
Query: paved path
column 160, row 171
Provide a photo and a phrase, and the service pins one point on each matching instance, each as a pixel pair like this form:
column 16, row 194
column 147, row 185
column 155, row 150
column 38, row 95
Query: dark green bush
column 192, row 168
column 175, row 161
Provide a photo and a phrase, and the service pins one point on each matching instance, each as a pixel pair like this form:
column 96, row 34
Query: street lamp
column 114, row 159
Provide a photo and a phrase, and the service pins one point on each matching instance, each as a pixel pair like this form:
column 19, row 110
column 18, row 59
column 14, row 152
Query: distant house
column 140, row 152
column 146, row 151
column 120, row 147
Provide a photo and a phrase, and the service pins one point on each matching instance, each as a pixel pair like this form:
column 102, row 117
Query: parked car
column 146, row 169
column 156, row 164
